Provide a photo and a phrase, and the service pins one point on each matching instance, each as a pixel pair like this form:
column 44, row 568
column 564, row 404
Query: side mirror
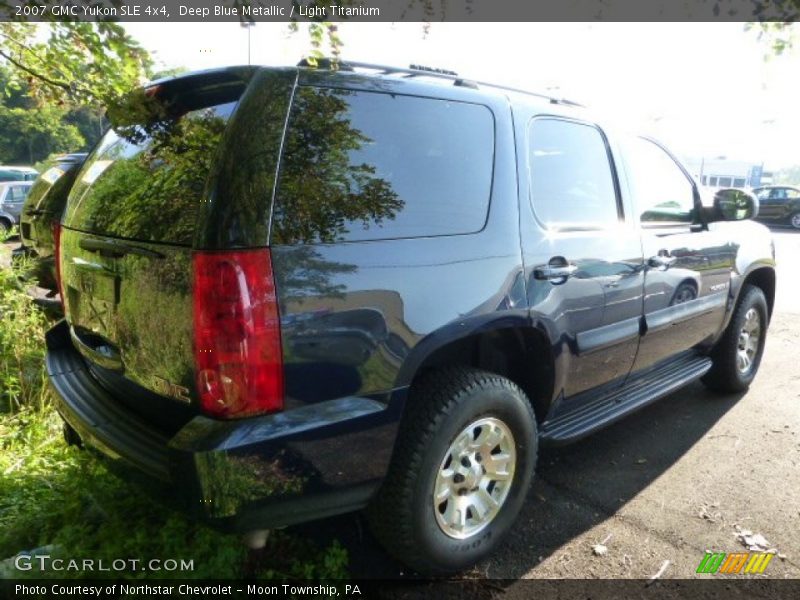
column 731, row 204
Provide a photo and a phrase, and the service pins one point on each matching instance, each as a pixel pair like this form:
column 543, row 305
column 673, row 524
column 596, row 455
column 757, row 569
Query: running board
column 639, row 391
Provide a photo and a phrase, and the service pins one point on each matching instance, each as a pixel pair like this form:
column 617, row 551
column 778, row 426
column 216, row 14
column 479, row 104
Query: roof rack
column 423, row 71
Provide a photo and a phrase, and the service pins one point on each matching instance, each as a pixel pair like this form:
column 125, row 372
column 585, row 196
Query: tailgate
column 128, row 235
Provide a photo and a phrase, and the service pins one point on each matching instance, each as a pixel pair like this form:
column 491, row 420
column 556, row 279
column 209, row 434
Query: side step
column 638, row 392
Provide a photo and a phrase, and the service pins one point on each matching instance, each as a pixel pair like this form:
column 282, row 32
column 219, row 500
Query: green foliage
column 79, row 63
column 779, row 37
column 27, row 135
column 22, row 328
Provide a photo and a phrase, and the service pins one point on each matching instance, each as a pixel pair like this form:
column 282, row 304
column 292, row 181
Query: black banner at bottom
column 461, row 588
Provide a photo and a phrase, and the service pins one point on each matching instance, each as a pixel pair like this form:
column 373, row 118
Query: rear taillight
column 56, row 227
column 237, row 343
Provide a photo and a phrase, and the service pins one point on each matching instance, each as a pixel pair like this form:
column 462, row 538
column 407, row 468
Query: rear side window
column 571, row 182
column 662, row 193
column 145, row 180
column 366, row 166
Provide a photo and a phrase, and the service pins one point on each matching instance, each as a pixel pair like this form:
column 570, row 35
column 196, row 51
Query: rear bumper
column 271, row 471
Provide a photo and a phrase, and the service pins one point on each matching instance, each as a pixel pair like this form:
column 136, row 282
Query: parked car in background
column 12, row 197
column 779, row 204
column 291, row 293
column 41, row 214
column 8, row 173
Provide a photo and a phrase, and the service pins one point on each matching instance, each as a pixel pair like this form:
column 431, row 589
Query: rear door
column 583, row 260
column 687, row 266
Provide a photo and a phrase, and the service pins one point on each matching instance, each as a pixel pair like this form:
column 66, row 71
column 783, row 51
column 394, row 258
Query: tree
column 79, row 64
column 778, row 37
column 28, row 136
column 57, row 90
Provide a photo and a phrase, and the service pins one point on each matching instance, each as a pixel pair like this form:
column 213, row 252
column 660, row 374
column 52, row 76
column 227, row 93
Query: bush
column 22, row 327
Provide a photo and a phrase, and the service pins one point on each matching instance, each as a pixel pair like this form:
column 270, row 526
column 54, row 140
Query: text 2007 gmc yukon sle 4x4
column 291, row 293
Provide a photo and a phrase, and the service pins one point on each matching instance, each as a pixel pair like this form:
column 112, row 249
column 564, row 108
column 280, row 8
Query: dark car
column 41, row 215
column 292, row 293
column 779, row 204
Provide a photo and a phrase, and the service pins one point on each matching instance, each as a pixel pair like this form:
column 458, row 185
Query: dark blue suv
column 293, row 292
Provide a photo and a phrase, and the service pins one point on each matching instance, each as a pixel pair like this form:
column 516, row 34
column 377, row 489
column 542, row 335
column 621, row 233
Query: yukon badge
column 171, row 390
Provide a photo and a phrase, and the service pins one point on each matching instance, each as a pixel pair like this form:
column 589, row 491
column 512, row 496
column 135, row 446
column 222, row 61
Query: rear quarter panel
column 358, row 316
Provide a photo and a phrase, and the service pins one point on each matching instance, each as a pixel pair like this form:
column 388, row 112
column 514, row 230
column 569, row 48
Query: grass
column 60, row 497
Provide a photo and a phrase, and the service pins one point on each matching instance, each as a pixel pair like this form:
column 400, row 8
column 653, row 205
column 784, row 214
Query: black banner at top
column 398, row 10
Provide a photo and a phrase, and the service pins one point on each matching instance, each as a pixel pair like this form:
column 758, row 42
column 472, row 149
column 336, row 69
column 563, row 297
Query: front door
column 687, row 267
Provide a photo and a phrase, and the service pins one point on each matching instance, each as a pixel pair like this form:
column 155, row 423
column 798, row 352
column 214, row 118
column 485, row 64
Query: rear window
column 146, row 178
column 366, row 166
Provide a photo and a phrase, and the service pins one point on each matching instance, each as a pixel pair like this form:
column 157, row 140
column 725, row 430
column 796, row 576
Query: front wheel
column 737, row 355
column 794, row 220
column 462, row 466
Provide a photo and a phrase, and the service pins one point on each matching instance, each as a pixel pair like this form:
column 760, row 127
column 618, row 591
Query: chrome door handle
column 557, row 270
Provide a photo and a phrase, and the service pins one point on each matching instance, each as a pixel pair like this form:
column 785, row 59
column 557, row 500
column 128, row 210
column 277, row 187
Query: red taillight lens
column 237, row 343
column 56, row 227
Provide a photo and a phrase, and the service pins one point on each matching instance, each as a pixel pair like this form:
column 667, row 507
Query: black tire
column 5, row 226
column 442, row 405
column 725, row 374
column 686, row 291
column 794, row 220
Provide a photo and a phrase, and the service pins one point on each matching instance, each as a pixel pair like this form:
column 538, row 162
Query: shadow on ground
column 576, row 487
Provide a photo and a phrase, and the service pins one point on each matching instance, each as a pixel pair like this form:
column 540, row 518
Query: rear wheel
column 5, row 226
column 794, row 220
column 737, row 355
column 462, row 467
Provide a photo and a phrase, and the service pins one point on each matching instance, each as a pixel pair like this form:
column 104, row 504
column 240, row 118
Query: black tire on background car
column 794, row 220
column 469, row 437
column 737, row 355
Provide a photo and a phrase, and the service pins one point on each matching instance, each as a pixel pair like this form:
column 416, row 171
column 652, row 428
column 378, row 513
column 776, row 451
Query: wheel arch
column 763, row 278
column 513, row 349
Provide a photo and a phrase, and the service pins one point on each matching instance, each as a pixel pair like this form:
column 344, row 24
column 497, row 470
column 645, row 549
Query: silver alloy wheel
column 474, row 478
column 796, row 221
column 749, row 337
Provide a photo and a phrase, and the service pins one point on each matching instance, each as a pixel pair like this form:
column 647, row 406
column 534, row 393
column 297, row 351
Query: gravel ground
column 666, row 484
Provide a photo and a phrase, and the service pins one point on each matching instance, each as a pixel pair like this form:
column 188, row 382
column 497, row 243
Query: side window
column 662, row 193
column 17, row 193
column 793, row 194
column 364, row 166
column 571, row 183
